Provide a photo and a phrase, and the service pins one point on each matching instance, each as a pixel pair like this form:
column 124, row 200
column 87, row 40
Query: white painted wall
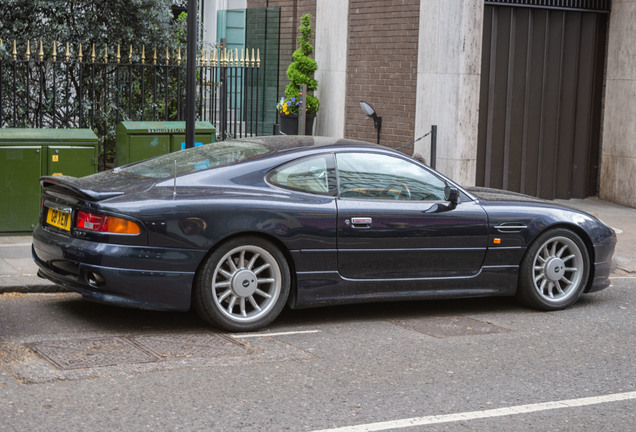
column 448, row 80
column 618, row 152
column 332, row 24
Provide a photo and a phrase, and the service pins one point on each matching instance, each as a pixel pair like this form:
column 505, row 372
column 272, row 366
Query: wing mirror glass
column 451, row 194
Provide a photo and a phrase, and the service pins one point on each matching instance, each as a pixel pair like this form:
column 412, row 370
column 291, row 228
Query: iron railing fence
column 99, row 91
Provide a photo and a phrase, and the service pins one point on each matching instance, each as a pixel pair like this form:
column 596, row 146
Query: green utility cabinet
column 28, row 154
column 142, row 140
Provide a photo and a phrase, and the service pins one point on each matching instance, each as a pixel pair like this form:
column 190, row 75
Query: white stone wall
column 618, row 153
column 448, row 80
column 332, row 24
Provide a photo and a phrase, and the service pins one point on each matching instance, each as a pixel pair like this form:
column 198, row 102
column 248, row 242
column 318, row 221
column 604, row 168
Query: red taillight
column 107, row 224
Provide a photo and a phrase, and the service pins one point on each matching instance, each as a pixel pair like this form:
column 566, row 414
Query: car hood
column 498, row 195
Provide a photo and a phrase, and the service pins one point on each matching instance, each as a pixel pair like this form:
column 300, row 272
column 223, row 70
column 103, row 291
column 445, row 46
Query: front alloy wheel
column 243, row 285
column 554, row 271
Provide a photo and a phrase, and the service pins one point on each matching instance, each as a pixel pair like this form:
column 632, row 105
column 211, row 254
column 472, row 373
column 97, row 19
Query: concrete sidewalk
column 18, row 272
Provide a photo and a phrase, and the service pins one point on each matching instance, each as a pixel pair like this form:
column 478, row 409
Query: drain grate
column 96, row 352
column 452, row 326
column 193, row 345
column 88, row 353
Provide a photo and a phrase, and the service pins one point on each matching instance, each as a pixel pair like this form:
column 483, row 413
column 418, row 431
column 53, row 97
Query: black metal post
column 433, row 145
column 191, row 73
column 302, row 113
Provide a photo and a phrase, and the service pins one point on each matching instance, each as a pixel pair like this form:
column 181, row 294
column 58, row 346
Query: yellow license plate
column 59, row 219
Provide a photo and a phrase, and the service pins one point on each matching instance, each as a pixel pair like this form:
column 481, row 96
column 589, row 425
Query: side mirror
column 451, row 194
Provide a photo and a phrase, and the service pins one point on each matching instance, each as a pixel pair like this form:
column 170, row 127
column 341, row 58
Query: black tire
column 554, row 271
column 243, row 285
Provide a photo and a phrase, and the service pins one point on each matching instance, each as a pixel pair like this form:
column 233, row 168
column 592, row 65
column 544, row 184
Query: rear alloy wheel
column 554, row 271
column 243, row 285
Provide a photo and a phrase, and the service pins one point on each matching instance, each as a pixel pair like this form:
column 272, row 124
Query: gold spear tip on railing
column 28, row 51
column 167, row 56
column 54, row 51
column 258, row 57
column 15, row 52
column 179, row 57
column 143, row 54
column 68, row 52
column 118, row 53
column 253, row 58
column 105, row 53
column 154, row 57
column 93, row 54
column 130, row 54
column 80, row 54
column 41, row 53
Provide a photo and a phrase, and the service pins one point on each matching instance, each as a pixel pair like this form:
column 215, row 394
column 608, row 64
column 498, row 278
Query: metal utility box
column 142, row 140
column 28, row 154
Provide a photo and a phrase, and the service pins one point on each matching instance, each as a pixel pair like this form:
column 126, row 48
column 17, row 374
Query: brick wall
column 382, row 69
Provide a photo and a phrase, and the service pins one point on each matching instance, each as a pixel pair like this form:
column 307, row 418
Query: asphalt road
column 473, row 365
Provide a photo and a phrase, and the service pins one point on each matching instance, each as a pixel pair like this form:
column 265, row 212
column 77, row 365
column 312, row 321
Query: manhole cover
column 193, row 345
column 442, row 327
column 88, row 353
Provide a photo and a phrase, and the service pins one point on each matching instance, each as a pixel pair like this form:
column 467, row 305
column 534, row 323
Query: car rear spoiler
column 73, row 184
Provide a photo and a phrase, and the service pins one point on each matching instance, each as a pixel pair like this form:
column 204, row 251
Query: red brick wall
column 382, row 69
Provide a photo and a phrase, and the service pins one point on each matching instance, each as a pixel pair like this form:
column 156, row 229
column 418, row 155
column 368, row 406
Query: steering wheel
column 403, row 189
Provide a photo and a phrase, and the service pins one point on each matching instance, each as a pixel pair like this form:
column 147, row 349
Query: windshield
column 198, row 158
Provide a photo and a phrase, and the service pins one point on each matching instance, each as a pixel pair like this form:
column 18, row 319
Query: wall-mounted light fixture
column 377, row 120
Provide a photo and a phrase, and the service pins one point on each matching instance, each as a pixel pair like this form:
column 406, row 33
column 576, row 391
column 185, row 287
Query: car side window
column 312, row 174
column 378, row 176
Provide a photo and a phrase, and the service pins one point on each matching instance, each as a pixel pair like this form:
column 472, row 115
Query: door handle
column 361, row 222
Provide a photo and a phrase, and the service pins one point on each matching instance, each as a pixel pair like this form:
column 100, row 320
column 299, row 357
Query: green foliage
column 303, row 67
column 140, row 22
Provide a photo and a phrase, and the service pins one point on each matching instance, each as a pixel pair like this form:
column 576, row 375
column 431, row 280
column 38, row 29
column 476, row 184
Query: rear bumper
column 132, row 276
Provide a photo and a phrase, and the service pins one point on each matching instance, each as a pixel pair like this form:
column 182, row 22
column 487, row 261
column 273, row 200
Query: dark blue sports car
column 238, row 229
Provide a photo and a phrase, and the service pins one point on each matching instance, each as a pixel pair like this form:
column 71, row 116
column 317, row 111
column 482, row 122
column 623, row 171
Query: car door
column 394, row 223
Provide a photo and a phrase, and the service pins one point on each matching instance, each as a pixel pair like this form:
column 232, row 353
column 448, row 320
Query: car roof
column 287, row 143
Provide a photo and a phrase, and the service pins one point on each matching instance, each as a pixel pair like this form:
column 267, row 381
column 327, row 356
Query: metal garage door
column 541, row 96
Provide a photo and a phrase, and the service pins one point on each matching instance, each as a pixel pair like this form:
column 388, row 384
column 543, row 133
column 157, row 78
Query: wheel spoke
column 560, row 252
column 253, row 303
column 261, row 268
column 264, row 281
column 242, row 260
column 224, row 295
column 230, row 306
column 568, row 258
column 550, row 291
column 262, row 293
column 222, row 284
column 232, row 265
column 242, row 306
column 544, row 282
column 571, row 269
column 250, row 265
column 225, row 273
